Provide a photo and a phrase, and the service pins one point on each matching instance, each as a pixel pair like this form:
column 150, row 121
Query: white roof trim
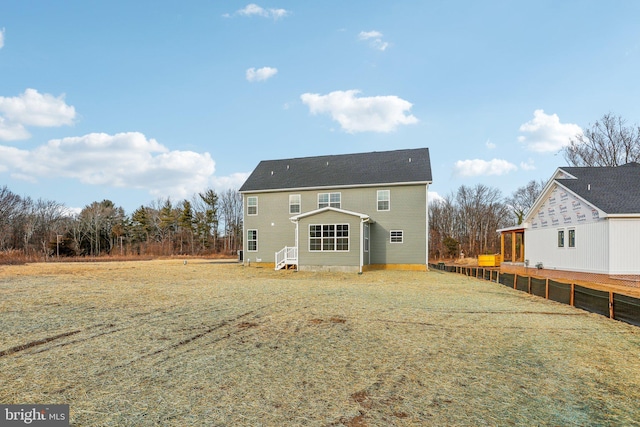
column 362, row 216
column 555, row 175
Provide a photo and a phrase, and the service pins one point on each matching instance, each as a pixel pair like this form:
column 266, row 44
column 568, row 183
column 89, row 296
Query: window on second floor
column 329, row 200
column 294, row 203
column 252, row 205
column 384, row 200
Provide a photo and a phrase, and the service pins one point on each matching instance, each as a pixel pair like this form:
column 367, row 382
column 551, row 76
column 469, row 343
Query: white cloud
column 545, row 133
column 128, row 160
column 11, row 157
column 1, row 38
column 233, row 181
column 364, row 114
column 528, row 165
column 380, row 45
column 490, row 145
column 255, row 10
column 366, row 35
column 12, row 131
column 374, row 38
column 477, row 167
column 435, row 197
column 260, row 74
column 24, row 177
column 32, row 108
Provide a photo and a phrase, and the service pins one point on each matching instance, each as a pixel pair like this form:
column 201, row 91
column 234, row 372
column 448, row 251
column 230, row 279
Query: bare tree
column 231, row 209
column 9, row 209
column 607, row 143
column 522, row 200
column 50, row 217
column 27, row 223
column 442, row 226
column 95, row 231
column 467, row 220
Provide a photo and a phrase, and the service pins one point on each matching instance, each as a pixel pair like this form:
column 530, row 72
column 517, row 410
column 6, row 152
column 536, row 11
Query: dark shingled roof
column 615, row 190
column 386, row 167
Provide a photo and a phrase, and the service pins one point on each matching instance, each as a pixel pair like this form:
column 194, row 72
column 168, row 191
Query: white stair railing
column 286, row 256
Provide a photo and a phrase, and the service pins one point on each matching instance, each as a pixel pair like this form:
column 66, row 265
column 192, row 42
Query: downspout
column 297, row 222
column 427, row 236
column 244, row 232
column 361, row 244
column 297, row 248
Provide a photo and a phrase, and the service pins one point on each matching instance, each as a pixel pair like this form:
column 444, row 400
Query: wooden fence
column 607, row 303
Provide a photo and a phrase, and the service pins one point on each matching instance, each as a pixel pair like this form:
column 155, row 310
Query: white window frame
column 292, row 203
column 329, row 237
column 395, row 234
column 571, row 238
column 380, row 199
column 330, row 203
column 250, row 205
column 561, row 242
column 250, row 240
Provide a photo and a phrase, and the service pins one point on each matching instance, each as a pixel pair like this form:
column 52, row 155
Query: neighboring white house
column 587, row 219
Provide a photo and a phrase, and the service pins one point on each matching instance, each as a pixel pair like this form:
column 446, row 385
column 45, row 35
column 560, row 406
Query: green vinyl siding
column 336, row 258
column 407, row 212
column 275, row 230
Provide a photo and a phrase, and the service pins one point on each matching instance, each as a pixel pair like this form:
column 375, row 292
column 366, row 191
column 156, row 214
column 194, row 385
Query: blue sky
column 138, row 100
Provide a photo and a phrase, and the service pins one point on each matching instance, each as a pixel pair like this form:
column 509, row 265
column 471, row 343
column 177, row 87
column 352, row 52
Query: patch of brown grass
column 208, row 343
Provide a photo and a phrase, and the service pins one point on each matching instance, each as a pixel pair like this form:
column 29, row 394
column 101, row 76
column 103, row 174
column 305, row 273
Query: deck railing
column 286, row 256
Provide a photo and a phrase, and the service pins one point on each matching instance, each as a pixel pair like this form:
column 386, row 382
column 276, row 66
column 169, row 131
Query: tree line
column 463, row 221
column 207, row 223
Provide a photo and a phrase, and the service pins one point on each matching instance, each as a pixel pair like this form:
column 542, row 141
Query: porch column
column 501, row 247
column 521, row 257
column 513, row 246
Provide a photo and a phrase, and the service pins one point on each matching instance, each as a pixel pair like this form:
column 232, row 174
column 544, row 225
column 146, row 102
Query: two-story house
column 349, row 212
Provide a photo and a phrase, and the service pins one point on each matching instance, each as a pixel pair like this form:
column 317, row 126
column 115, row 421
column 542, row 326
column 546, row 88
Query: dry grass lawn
column 211, row 344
